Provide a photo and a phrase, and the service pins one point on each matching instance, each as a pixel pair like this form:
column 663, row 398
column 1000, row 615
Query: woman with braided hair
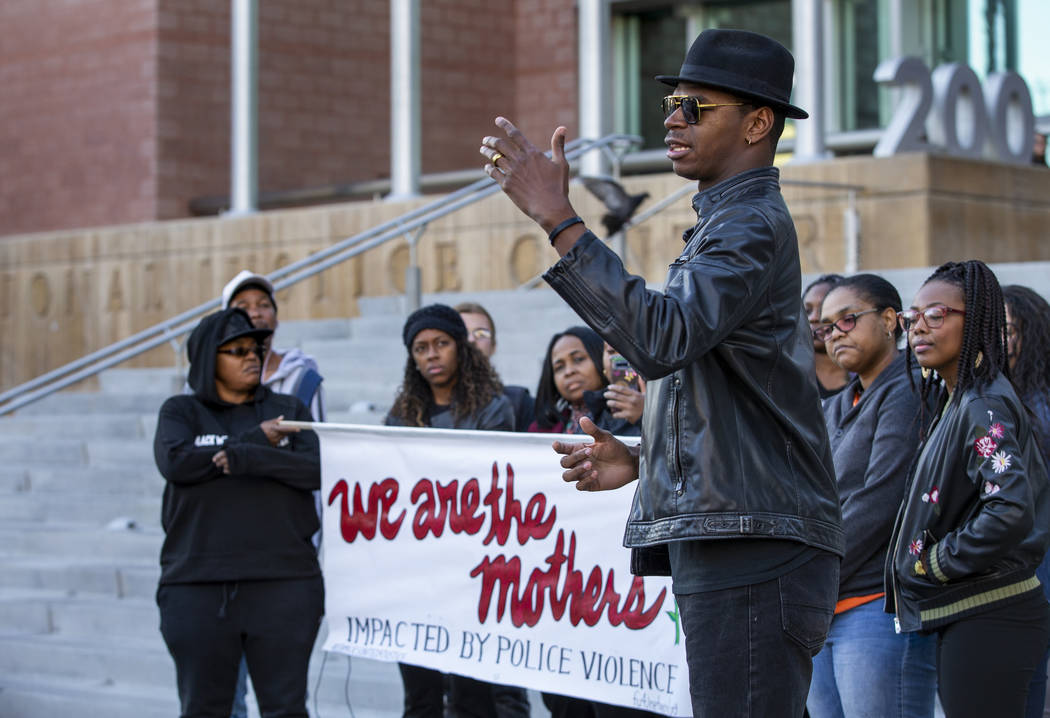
column 1028, row 354
column 972, row 528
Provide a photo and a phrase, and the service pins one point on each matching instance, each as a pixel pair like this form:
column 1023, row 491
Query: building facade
column 117, row 111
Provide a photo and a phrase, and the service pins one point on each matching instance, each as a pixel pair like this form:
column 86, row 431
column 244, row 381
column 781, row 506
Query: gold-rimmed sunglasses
column 691, row 106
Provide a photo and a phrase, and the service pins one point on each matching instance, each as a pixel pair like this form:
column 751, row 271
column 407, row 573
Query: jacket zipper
column 902, row 518
column 679, row 487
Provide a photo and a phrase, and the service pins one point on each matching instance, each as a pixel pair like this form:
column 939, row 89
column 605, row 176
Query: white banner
column 464, row 551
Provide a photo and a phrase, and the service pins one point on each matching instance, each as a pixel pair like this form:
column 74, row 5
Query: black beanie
column 434, row 316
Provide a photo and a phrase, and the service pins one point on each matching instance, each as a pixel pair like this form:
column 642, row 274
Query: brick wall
column 116, row 111
column 545, row 73
column 76, row 113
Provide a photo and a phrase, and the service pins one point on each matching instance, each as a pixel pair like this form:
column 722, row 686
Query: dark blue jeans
column 750, row 649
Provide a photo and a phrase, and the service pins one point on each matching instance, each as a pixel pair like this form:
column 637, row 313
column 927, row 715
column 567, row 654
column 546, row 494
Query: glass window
column 652, row 39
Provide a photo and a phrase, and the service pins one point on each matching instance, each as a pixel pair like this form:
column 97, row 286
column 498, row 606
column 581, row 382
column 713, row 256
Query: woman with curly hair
column 1028, row 354
column 973, row 525
column 449, row 384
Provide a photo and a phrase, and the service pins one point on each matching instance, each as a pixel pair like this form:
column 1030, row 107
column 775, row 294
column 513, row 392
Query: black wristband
column 562, row 227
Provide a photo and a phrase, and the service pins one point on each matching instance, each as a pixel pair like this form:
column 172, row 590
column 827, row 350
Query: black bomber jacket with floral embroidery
column 975, row 521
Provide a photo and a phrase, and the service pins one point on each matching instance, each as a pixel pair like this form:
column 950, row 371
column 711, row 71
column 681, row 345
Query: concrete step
column 25, row 611
column 168, row 380
column 43, row 696
column 83, row 505
column 70, row 426
column 117, row 453
column 100, row 577
column 52, row 451
column 14, row 477
column 117, row 659
column 293, row 333
column 140, row 480
column 88, row 616
column 31, row 539
column 35, row 696
column 81, row 403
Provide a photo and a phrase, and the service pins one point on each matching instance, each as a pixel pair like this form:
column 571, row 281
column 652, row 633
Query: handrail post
column 244, row 107
column 413, row 273
column 405, row 102
column 593, row 30
column 851, row 232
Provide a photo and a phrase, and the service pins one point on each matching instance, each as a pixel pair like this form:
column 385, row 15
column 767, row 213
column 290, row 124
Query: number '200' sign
column 949, row 111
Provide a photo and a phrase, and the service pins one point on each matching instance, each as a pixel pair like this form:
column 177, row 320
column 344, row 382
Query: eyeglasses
column 481, row 333
column 933, row 316
column 241, row 352
column 691, row 106
column 845, row 325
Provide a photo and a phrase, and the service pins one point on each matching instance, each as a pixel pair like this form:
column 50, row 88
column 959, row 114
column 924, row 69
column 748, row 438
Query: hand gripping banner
column 464, row 551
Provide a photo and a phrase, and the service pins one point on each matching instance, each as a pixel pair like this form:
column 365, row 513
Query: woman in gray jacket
column 874, row 425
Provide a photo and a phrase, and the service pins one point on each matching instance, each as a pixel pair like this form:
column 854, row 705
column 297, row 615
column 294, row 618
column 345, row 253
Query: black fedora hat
column 745, row 63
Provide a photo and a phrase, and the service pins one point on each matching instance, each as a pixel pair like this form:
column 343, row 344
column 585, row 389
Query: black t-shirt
column 700, row 565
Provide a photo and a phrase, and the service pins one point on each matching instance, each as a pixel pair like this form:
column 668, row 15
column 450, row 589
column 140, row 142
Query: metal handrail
column 171, row 329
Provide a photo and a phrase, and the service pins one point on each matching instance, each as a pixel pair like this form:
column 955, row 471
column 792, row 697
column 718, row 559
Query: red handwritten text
column 381, row 497
column 439, row 505
column 585, row 601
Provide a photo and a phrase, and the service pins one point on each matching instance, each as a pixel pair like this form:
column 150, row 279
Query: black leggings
column 985, row 662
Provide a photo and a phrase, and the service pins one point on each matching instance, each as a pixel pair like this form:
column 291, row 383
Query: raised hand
column 603, row 464
column 538, row 185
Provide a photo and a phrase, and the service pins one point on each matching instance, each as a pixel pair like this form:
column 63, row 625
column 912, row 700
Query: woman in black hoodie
column 239, row 573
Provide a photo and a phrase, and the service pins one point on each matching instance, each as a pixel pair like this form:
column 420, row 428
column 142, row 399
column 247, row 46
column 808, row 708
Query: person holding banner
column 737, row 498
column 573, row 384
column 449, row 384
column 239, row 573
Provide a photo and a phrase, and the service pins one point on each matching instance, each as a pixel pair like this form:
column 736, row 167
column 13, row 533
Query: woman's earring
column 978, row 360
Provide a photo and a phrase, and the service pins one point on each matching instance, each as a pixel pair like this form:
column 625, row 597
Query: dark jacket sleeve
column 298, row 464
column 497, row 416
column 710, row 292
column 178, row 459
column 1003, row 515
column 869, row 512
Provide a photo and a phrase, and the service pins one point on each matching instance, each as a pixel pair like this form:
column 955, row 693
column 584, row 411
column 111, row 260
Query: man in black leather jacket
column 737, row 497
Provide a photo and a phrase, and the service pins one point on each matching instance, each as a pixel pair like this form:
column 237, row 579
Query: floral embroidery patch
column 1000, row 462
column 915, row 547
column 933, row 498
column 985, row 446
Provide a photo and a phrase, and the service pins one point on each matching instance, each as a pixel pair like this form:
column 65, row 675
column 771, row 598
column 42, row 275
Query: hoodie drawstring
column 227, row 597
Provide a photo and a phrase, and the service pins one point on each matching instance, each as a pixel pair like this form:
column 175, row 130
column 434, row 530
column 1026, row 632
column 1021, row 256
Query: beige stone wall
column 65, row 294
